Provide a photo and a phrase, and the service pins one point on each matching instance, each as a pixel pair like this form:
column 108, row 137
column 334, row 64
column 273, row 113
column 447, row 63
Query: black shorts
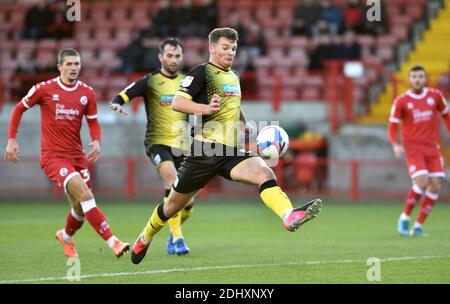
column 162, row 153
column 200, row 167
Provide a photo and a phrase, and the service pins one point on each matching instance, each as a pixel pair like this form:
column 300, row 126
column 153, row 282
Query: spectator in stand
column 150, row 51
column 322, row 52
column 377, row 27
column 26, row 63
column 246, row 69
column 188, row 19
column 255, row 40
column 353, row 16
column 306, row 15
column 332, row 15
column 60, row 27
column 134, row 57
column 210, row 15
column 348, row 49
column 37, row 20
column 235, row 23
column 166, row 19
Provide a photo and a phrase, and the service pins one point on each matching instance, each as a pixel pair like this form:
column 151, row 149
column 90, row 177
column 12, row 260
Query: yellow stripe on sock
column 185, row 214
column 175, row 226
column 154, row 224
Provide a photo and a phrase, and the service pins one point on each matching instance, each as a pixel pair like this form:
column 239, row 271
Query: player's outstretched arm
column 94, row 154
column 96, row 135
column 118, row 108
column 446, row 118
column 392, row 135
column 246, row 127
column 135, row 89
column 12, row 152
column 184, row 105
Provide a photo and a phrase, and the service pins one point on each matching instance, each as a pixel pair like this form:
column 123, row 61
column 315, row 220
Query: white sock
column 287, row 213
column 88, row 205
column 403, row 216
column 417, row 225
column 111, row 241
column 144, row 240
column 67, row 238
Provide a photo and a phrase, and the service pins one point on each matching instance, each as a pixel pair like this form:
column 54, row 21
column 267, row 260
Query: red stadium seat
column 26, row 45
column 305, row 168
column 67, row 43
column 47, row 44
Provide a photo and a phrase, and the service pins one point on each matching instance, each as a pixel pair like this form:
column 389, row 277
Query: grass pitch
column 231, row 242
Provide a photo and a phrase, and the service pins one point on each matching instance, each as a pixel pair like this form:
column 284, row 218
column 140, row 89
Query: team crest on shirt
column 55, row 97
column 63, row 171
column 430, row 101
column 187, row 81
column 410, row 105
column 83, row 100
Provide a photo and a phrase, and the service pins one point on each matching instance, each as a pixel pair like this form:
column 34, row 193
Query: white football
column 272, row 142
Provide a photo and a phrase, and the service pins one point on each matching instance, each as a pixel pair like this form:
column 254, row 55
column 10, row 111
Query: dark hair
column 65, row 53
column 417, row 68
column 169, row 41
column 226, row 32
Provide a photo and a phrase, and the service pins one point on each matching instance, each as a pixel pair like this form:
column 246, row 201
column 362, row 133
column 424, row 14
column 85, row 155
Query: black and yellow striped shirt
column 164, row 125
column 200, row 84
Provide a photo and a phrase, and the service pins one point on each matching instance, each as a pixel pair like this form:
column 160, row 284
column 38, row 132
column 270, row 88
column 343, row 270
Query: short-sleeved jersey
column 62, row 109
column 164, row 125
column 200, row 84
column 420, row 116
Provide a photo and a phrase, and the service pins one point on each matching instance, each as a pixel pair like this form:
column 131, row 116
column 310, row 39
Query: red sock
column 413, row 197
column 96, row 218
column 426, row 206
column 73, row 222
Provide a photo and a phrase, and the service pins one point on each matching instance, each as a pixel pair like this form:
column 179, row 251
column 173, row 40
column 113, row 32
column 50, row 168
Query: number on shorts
column 85, row 175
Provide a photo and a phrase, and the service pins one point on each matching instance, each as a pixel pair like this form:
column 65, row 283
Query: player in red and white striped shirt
column 63, row 102
column 419, row 110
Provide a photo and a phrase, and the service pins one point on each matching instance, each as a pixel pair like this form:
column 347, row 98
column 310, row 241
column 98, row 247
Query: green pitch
column 231, row 242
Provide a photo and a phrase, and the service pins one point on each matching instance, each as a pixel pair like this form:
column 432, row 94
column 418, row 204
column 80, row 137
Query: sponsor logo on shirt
column 420, row 116
column 62, row 113
column 231, row 90
column 187, row 81
column 166, row 100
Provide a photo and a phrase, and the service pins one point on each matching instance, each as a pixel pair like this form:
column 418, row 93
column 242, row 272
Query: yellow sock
column 174, row 222
column 186, row 213
column 275, row 198
column 155, row 223
column 175, row 226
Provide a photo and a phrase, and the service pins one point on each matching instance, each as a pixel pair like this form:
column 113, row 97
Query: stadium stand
column 108, row 26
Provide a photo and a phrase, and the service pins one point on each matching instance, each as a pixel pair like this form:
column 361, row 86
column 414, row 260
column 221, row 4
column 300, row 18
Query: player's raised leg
column 161, row 214
column 255, row 171
column 77, row 188
column 429, row 200
column 74, row 221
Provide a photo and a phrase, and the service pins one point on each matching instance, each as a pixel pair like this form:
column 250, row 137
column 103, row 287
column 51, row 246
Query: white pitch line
column 120, row 274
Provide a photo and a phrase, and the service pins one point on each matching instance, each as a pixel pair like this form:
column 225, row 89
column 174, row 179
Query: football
column 272, row 142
